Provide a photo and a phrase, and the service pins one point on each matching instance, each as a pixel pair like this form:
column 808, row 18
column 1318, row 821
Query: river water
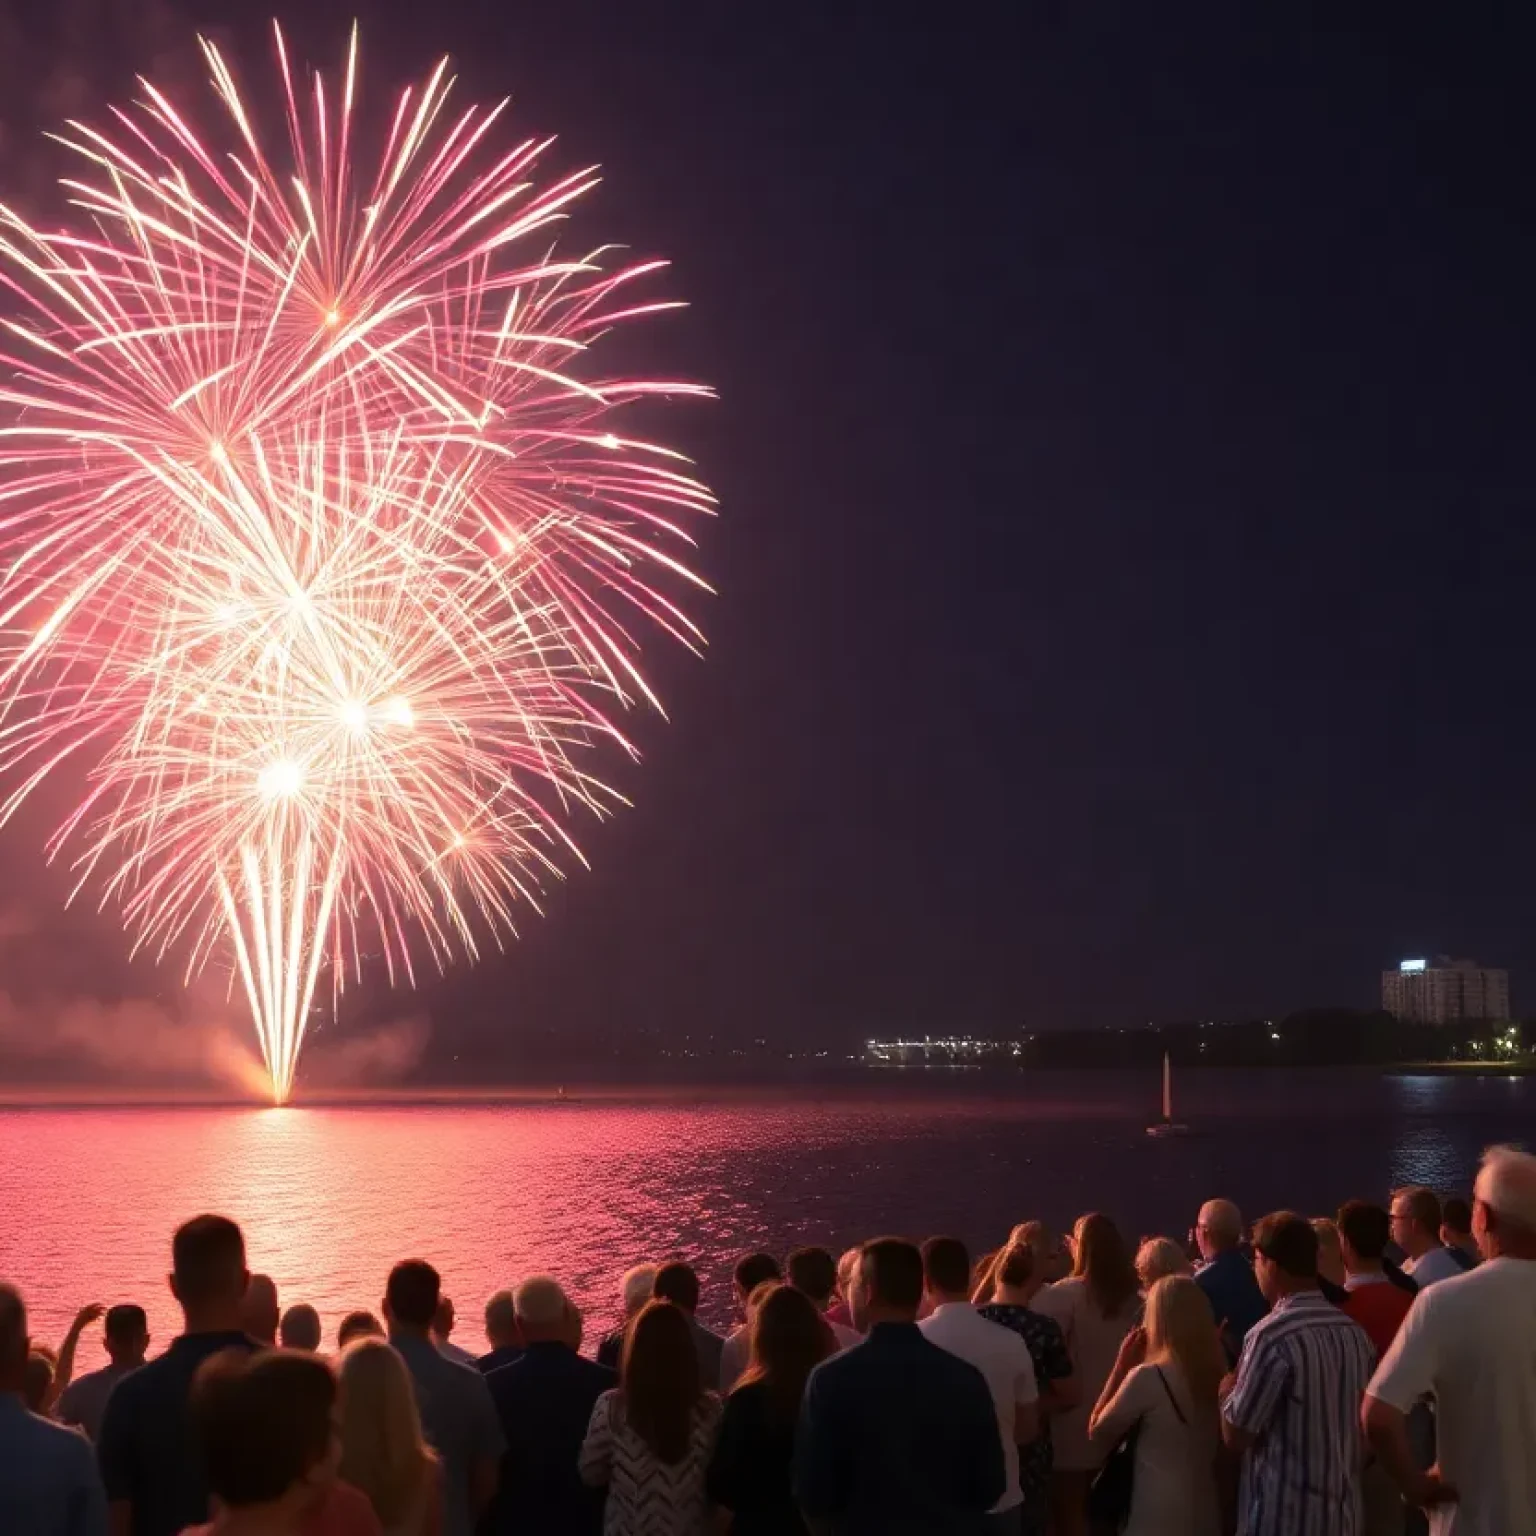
column 496, row 1189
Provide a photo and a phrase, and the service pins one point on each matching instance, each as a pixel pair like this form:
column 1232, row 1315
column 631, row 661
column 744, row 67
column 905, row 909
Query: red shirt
column 339, row 1511
column 1379, row 1307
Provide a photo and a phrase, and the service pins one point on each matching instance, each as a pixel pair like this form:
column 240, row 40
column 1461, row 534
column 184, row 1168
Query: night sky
column 1124, row 448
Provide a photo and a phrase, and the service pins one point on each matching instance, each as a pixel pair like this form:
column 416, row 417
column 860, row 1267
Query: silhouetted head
column 678, row 1283
column 1415, row 1219
column 300, row 1328
column 1330, row 1250
column 1363, row 1233
column 126, row 1333
column 888, row 1284
column 357, row 1325
column 789, row 1339
column 1504, row 1204
column 259, row 1311
column 659, row 1379
column 637, row 1287
column 750, row 1272
column 813, row 1272
column 1218, row 1227
column 208, row 1274
column 1102, row 1262
column 1159, row 1257
column 443, row 1318
column 13, row 1339
column 946, row 1270
column 1285, row 1255
column 265, row 1425
column 545, row 1314
column 410, row 1299
column 501, row 1321
column 1456, row 1223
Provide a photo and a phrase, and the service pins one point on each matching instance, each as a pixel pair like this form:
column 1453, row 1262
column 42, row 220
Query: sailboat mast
column 1167, row 1088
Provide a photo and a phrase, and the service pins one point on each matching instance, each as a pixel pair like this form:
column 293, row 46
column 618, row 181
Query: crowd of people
column 1372, row 1373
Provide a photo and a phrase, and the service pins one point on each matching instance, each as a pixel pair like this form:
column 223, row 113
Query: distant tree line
column 1310, row 1037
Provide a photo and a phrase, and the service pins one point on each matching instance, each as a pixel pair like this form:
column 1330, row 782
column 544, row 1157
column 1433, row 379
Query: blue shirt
column 898, row 1438
column 49, row 1485
column 544, row 1402
column 1234, row 1295
column 148, row 1458
column 459, row 1420
column 1299, row 1383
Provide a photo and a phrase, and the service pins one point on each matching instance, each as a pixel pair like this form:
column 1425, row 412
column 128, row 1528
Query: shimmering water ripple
column 330, row 1197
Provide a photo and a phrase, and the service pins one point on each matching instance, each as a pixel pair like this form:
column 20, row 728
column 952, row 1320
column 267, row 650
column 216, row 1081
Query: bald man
column 1226, row 1276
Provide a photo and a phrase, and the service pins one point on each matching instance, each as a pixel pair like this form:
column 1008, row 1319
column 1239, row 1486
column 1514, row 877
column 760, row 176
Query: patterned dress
column 646, row 1496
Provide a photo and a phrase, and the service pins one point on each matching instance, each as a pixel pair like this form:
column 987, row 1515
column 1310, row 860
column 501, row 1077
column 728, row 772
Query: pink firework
column 324, row 543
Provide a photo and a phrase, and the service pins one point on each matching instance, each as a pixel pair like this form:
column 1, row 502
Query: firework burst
column 323, row 541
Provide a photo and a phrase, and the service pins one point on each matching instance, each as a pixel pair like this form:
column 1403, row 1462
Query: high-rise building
column 1445, row 991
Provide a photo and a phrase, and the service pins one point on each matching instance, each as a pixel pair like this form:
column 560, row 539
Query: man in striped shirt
column 1293, row 1407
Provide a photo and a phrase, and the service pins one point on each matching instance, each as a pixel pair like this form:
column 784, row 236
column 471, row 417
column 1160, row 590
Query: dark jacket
column 544, row 1402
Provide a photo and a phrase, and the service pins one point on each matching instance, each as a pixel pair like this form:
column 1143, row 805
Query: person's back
column 1470, row 1341
column 1225, row 1275
column 897, row 1435
column 146, row 1448
column 648, row 1442
column 265, row 1428
column 544, row 1400
column 678, row 1283
column 49, row 1485
column 457, row 1413
column 84, row 1400
column 999, row 1353
column 1293, row 1411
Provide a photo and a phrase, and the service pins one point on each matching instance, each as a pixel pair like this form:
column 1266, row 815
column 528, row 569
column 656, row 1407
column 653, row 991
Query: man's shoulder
column 38, row 1437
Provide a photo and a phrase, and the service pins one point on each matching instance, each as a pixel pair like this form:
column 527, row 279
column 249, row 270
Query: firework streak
column 325, row 554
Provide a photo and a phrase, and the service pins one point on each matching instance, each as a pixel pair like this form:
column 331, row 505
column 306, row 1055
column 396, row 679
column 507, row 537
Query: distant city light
column 1411, row 965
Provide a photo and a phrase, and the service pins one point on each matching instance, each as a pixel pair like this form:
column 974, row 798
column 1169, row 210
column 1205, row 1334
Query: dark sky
column 1127, row 538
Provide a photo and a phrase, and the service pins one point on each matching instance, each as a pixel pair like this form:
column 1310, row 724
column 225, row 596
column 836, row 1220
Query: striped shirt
column 1299, row 1382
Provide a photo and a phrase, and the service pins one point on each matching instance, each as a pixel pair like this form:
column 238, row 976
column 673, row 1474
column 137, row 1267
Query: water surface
column 490, row 1191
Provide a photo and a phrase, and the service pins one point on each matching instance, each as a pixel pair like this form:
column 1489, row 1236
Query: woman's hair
column 1099, row 1257
column 1182, row 1328
column 659, row 1380
column 38, row 1381
column 1159, row 1257
column 789, row 1339
column 383, row 1452
column 263, row 1420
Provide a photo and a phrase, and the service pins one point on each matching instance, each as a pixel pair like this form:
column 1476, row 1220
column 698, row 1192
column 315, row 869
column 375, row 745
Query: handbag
column 1114, row 1485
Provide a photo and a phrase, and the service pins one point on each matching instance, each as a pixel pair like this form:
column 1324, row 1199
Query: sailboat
column 1167, row 1126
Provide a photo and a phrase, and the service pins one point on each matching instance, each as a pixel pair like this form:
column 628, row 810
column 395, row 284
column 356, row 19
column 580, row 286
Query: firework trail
column 323, row 544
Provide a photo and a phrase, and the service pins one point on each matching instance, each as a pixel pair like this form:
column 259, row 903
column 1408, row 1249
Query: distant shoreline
column 1524, row 1067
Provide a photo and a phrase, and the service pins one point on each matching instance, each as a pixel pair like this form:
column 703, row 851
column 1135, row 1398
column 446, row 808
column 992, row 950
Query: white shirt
column 1471, row 1341
column 1003, row 1359
column 1432, row 1267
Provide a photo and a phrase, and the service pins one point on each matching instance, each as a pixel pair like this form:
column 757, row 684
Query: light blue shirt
column 49, row 1485
column 459, row 1419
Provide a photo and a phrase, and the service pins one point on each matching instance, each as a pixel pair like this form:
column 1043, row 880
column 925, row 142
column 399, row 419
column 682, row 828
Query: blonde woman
column 1159, row 1257
column 383, row 1451
column 1166, row 1380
